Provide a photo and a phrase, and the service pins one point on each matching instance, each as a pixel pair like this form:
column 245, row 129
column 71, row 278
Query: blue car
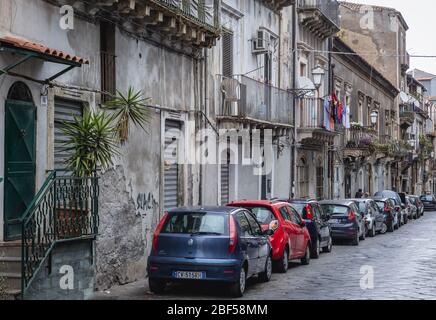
column 316, row 222
column 218, row 244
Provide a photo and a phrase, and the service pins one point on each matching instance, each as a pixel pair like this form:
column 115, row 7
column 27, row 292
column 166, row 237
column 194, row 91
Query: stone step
column 12, row 295
column 12, row 281
column 10, row 264
column 10, row 249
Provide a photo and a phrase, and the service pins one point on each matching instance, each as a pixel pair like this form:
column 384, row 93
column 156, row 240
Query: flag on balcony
column 327, row 114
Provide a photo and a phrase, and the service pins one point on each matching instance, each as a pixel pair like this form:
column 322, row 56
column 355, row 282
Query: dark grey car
column 374, row 218
column 345, row 220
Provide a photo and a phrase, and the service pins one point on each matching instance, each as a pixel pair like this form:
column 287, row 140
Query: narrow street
column 404, row 265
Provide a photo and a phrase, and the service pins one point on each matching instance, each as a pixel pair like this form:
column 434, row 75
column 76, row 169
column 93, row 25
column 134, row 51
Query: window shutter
column 227, row 54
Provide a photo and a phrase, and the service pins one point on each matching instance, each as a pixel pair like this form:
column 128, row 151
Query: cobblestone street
column 404, row 265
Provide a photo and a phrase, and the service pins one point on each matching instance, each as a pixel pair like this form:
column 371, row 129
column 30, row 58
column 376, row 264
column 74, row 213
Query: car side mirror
column 403, row 206
column 327, row 217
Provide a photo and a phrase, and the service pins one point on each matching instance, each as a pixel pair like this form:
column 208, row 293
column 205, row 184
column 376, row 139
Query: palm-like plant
column 90, row 142
column 131, row 106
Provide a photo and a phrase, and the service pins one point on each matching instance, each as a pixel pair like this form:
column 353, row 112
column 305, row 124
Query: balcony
column 360, row 141
column 195, row 22
column 247, row 100
column 319, row 16
column 311, row 128
column 279, row 4
column 407, row 115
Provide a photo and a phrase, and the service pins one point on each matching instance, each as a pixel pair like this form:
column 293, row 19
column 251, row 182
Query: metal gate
column 64, row 111
column 171, row 157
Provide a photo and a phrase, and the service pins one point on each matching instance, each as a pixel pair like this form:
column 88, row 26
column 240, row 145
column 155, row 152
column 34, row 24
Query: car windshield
column 427, row 198
column 332, row 209
column 196, row 223
column 263, row 215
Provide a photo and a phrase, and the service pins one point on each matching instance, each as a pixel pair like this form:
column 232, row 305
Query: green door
column 19, row 179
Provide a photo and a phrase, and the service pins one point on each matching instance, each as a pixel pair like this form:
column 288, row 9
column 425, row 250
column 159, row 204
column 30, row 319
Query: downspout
column 330, row 149
column 294, row 102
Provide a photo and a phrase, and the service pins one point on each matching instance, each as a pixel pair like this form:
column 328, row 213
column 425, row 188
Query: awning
column 32, row 50
column 409, row 99
column 306, row 86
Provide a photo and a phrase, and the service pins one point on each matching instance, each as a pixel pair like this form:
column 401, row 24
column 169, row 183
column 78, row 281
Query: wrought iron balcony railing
column 65, row 209
column 311, row 113
column 360, row 138
column 407, row 114
column 246, row 98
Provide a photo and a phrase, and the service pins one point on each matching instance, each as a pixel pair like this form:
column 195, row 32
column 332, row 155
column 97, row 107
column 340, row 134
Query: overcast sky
column 421, row 38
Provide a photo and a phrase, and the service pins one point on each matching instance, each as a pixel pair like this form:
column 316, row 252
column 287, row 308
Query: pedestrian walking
column 359, row 194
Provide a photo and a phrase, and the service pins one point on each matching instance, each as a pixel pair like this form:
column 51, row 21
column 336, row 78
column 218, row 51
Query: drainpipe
column 330, row 149
column 294, row 100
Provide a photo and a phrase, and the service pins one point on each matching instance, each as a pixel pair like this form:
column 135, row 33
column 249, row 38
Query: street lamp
column 318, row 75
column 374, row 117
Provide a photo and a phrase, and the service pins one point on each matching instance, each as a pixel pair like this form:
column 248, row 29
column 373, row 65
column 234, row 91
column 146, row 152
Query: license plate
column 334, row 221
column 189, row 275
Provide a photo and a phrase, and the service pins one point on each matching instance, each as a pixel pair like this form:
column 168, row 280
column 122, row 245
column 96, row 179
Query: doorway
column 20, row 155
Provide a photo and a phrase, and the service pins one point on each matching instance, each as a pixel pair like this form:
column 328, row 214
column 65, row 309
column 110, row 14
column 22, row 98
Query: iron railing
column 360, row 138
column 202, row 12
column 65, row 209
column 407, row 112
column 258, row 101
column 311, row 113
column 329, row 8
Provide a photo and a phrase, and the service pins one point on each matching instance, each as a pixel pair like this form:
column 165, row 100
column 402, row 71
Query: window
column 196, row 222
column 285, row 213
column 107, row 50
column 360, row 112
column 243, row 224
column 303, row 70
column 303, row 178
column 295, row 217
column 320, row 183
column 263, row 215
column 255, row 228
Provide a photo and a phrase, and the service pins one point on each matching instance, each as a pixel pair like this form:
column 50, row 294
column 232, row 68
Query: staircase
column 10, row 269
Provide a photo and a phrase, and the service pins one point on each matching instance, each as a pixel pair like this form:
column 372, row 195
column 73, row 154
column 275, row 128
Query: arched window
column 20, row 91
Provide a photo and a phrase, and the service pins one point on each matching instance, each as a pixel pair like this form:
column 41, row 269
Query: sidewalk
column 137, row 290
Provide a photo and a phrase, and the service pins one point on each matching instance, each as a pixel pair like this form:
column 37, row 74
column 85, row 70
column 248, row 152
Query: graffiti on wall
column 146, row 202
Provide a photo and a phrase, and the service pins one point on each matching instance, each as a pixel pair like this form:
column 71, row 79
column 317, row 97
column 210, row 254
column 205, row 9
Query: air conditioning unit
column 262, row 41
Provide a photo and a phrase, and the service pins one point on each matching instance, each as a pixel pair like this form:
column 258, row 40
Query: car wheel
column 306, row 259
column 265, row 276
column 156, row 286
column 329, row 247
column 372, row 231
column 316, row 251
column 356, row 240
column 283, row 263
column 384, row 228
column 238, row 288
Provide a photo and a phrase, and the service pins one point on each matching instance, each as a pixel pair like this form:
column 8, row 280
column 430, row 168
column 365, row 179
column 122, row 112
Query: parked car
column 399, row 207
column 317, row 224
column 220, row 244
column 344, row 219
column 419, row 205
column 405, row 203
column 291, row 239
column 413, row 208
column 374, row 218
column 429, row 202
column 387, row 205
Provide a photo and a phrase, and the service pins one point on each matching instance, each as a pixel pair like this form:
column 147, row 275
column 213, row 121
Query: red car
column 291, row 239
